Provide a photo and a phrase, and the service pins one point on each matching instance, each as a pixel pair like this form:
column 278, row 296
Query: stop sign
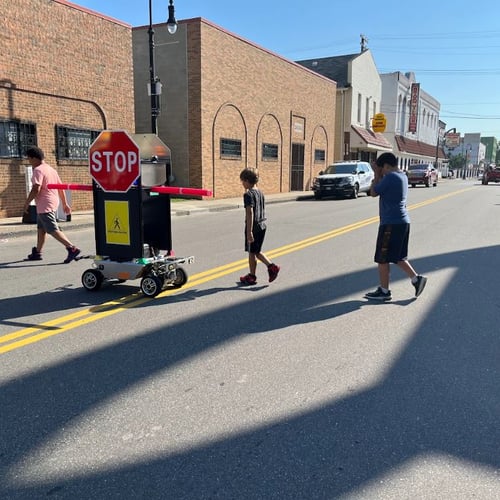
column 114, row 161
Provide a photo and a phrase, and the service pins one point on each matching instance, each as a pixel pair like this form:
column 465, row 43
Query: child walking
column 255, row 228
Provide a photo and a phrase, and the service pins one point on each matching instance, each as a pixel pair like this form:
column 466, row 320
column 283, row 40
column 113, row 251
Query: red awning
column 411, row 146
column 373, row 140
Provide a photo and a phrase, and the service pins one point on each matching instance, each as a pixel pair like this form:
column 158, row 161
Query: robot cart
column 155, row 273
column 133, row 225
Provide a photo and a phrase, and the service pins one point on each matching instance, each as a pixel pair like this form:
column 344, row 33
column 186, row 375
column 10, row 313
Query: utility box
column 29, row 217
column 156, row 162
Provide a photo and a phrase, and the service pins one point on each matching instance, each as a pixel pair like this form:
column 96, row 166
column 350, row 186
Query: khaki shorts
column 47, row 222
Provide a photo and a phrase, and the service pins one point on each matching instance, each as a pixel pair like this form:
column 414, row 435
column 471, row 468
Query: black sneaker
column 34, row 255
column 380, row 295
column 419, row 285
column 73, row 253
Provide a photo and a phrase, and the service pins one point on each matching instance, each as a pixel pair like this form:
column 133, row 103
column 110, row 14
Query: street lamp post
column 454, row 130
column 468, row 153
column 154, row 82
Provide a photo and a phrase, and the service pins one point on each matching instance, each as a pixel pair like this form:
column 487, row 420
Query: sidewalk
column 12, row 227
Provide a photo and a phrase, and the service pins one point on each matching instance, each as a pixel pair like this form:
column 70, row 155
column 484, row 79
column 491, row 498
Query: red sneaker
column 249, row 279
column 273, row 271
column 73, row 253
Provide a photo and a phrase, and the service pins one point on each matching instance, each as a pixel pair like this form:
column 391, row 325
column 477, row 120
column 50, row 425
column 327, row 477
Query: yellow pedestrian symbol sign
column 117, row 222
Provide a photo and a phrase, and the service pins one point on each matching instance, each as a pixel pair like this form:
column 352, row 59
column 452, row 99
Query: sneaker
column 249, row 279
column 419, row 285
column 73, row 253
column 273, row 271
column 378, row 294
column 34, row 255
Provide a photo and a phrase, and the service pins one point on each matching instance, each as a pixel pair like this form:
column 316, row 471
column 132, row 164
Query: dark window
column 230, row 148
column 74, row 143
column 319, row 155
column 15, row 138
column 269, row 151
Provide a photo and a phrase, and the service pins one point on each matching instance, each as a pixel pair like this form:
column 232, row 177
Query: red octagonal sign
column 114, row 161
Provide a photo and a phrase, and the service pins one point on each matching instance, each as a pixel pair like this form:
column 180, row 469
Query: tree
column 457, row 161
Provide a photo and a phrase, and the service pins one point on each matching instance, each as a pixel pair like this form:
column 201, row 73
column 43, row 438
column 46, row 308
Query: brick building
column 228, row 104
column 66, row 74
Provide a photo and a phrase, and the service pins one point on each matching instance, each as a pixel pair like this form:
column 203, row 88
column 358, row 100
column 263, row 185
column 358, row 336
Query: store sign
column 452, row 140
column 415, row 92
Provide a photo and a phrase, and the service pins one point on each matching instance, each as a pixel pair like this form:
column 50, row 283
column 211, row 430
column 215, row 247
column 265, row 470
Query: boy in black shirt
column 255, row 228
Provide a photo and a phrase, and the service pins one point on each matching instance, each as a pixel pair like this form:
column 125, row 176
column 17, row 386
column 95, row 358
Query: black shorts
column 258, row 240
column 392, row 243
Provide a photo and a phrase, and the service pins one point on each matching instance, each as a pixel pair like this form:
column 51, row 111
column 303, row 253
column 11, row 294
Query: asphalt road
column 299, row 389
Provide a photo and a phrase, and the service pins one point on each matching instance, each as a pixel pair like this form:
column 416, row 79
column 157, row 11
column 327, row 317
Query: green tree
column 457, row 161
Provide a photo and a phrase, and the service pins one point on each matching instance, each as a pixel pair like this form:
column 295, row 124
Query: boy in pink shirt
column 47, row 201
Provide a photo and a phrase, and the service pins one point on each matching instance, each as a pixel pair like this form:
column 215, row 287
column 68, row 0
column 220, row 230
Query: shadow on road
column 440, row 396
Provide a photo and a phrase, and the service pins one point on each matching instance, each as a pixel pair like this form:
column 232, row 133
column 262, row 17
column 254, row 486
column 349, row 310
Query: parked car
column 346, row 179
column 491, row 174
column 422, row 173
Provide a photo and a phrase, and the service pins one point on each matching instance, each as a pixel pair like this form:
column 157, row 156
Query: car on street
column 422, row 173
column 491, row 174
column 346, row 179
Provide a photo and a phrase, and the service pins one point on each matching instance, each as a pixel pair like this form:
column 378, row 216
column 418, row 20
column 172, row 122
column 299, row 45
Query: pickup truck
column 491, row 174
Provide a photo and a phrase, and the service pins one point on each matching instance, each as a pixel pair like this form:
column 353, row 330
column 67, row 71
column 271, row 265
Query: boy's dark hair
column 388, row 158
column 249, row 176
column 35, row 152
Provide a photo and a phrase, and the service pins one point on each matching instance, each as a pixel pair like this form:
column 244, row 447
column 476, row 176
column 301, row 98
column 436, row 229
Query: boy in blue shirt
column 391, row 186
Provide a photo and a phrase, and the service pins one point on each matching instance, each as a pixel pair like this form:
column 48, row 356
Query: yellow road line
column 95, row 313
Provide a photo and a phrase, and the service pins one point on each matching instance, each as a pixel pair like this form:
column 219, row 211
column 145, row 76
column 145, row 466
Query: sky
column 452, row 47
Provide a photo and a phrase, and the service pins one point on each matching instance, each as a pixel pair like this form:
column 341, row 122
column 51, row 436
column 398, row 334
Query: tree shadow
column 440, row 396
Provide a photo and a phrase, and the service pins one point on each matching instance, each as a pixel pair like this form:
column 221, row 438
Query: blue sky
column 452, row 47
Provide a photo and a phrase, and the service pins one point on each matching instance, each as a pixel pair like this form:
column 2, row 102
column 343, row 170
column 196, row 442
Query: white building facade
column 412, row 119
column 359, row 96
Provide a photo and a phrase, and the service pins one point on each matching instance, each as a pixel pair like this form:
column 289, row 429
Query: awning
column 369, row 140
column 419, row 148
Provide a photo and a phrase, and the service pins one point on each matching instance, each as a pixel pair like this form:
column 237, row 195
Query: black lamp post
column 454, row 130
column 154, row 82
column 468, row 152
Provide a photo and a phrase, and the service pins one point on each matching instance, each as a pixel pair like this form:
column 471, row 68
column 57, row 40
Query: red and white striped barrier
column 71, row 187
column 155, row 189
column 181, row 190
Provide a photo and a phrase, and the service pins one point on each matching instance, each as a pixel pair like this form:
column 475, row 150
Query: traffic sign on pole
column 379, row 122
column 114, row 161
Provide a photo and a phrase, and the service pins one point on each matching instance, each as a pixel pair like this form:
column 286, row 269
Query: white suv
column 346, row 178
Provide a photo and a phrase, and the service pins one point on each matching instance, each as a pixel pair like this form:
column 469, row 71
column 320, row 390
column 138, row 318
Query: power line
column 439, row 36
column 447, row 72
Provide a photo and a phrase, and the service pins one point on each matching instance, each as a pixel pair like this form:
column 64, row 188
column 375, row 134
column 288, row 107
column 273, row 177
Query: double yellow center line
column 62, row 324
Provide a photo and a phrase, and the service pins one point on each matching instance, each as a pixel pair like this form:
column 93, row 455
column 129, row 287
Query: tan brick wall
column 252, row 94
column 61, row 65
column 195, row 161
